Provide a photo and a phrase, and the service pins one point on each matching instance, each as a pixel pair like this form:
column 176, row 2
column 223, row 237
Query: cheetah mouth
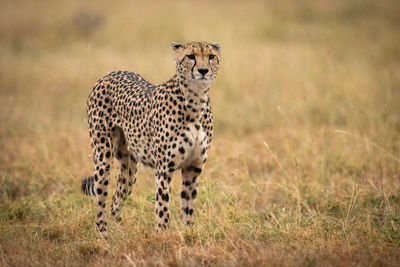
column 202, row 79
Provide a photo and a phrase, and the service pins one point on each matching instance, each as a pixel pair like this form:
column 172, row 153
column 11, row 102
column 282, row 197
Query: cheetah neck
column 196, row 97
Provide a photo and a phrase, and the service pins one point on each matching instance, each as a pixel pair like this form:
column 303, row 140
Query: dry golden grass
column 304, row 168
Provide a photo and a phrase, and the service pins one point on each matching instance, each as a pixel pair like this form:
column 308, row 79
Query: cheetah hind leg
column 101, row 180
column 126, row 173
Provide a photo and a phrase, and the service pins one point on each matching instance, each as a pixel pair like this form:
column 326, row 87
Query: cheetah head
column 197, row 62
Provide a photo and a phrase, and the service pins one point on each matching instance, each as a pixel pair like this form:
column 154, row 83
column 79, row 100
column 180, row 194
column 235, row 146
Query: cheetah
column 166, row 127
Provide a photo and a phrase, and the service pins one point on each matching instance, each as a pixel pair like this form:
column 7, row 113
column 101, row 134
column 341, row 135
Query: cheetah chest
column 192, row 144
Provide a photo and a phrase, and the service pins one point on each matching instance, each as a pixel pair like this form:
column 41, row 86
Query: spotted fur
column 166, row 127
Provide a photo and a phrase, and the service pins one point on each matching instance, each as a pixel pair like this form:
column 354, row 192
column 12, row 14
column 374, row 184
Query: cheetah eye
column 211, row 56
column 191, row 56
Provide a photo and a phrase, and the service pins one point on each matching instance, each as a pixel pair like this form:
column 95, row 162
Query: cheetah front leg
column 163, row 191
column 190, row 183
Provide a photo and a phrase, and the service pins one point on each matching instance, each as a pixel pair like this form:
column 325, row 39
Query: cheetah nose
column 203, row 71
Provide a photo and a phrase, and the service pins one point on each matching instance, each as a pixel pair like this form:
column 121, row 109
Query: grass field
column 304, row 168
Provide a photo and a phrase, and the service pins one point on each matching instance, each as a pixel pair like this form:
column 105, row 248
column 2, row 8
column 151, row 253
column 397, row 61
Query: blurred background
column 292, row 74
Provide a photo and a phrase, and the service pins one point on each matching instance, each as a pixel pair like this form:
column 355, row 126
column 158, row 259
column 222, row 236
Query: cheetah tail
column 88, row 186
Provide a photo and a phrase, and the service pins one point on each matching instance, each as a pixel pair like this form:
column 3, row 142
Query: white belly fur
column 198, row 140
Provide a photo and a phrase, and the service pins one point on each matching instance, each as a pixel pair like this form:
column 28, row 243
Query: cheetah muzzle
column 167, row 127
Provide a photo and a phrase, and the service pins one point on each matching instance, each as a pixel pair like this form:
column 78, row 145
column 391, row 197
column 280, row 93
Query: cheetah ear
column 216, row 46
column 175, row 46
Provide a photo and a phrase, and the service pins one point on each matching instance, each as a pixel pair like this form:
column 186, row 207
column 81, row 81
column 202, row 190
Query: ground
column 304, row 167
